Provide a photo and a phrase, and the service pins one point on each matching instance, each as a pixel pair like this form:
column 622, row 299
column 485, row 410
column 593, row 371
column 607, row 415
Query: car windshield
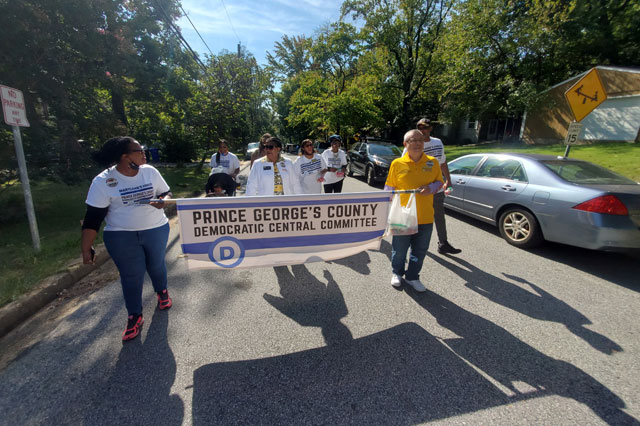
column 585, row 173
column 384, row 150
column 253, row 145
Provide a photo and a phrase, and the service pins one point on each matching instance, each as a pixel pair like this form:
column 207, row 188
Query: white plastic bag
column 403, row 220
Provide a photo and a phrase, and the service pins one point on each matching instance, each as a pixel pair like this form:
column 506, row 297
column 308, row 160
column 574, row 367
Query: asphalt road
column 502, row 337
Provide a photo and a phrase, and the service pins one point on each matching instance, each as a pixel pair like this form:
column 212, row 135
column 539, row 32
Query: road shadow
column 358, row 262
column 312, row 303
column 139, row 389
column 385, row 248
column 516, row 366
column 619, row 268
column 538, row 303
column 474, row 222
column 399, row 376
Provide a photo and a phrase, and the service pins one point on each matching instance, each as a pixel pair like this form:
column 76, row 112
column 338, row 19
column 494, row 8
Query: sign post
column 572, row 136
column 15, row 115
column 583, row 97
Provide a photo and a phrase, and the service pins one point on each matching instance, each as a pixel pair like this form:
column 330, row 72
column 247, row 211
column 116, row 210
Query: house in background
column 489, row 128
column 616, row 119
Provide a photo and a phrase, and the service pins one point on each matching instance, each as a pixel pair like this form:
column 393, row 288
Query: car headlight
column 380, row 163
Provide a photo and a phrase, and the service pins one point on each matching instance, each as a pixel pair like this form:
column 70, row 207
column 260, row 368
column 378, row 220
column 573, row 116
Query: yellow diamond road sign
column 584, row 96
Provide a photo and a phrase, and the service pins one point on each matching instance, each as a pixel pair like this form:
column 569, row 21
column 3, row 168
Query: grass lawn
column 59, row 209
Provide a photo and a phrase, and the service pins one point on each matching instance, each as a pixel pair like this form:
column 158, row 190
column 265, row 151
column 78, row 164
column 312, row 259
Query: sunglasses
column 269, row 146
column 307, row 145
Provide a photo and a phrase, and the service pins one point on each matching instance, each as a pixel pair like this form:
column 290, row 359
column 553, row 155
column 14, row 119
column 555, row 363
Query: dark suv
column 372, row 160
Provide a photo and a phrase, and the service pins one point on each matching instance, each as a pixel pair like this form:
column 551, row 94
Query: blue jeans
column 419, row 244
column 137, row 252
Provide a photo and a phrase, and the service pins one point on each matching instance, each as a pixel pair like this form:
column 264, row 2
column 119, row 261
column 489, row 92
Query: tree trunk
column 117, row 105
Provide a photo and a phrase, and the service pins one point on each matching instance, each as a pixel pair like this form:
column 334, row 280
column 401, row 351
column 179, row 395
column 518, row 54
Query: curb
column 14, row 313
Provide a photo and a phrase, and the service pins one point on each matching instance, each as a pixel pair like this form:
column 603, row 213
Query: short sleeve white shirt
column 308, row 171
column 119, row 193
column 335, row 160
column 228, row 162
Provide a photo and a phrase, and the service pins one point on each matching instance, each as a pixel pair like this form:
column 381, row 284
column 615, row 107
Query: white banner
column 248, row 232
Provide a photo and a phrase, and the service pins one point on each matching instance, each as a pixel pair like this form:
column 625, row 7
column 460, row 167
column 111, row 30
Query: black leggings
column 333, row 187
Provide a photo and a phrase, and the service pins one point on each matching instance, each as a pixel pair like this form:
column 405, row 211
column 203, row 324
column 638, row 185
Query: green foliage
column 59, row 210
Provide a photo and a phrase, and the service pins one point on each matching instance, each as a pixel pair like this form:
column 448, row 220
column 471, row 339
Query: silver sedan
column 533, row 197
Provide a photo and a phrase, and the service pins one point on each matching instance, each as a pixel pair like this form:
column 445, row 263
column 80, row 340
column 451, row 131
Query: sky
column 256, row 24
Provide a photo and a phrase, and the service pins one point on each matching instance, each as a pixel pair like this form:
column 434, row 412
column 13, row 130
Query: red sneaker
column 164, row 301
column 134, row 324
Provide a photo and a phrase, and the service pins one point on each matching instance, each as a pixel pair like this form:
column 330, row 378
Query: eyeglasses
column 269, row 146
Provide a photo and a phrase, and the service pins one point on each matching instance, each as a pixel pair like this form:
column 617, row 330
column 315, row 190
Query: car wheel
column 370, row 176
column 520, row 228
column 349, row 169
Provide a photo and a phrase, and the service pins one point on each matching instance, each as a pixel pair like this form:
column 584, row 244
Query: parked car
column 532, row 198
column 320, row 146
column 372, row 160
column 251, row 148
column 292, row 148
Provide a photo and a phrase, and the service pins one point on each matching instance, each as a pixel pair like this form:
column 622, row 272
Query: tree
column 291, row 57
column 407, row 31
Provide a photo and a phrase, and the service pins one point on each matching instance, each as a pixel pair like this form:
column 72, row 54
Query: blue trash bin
column 155, row 154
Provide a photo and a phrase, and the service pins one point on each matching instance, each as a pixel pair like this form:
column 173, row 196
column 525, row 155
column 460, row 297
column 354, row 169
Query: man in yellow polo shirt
column 414, row 170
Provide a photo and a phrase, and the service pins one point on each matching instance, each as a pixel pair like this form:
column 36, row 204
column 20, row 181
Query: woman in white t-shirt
column 336, row 161
column 273, row 174
column 310, row 168
column 137, row 230
column 226, row 160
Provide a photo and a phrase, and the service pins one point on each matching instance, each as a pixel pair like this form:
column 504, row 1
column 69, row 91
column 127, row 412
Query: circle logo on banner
column 226, row 252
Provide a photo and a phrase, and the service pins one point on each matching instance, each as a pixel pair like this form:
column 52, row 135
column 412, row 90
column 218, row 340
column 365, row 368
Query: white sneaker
column 417, row 285
column 396, row 281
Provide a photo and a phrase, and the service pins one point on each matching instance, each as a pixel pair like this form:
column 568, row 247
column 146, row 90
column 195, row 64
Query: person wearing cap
column 273, row 174
column 310, row 168
column 435, row 148
column 336, row 161
column 419, row 172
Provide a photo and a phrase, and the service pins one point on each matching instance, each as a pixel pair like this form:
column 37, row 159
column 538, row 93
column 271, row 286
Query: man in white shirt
column 435, row 148
column 336, row 161
column 224, row 160
column 310, row 167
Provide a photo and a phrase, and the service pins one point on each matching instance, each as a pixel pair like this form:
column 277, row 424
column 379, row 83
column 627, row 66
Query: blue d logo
column 226, row 252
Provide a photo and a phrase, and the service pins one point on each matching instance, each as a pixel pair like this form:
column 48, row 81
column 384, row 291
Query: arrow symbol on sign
column 584, row 101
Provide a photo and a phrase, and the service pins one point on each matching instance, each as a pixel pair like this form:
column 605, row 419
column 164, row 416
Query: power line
column 176, row 31
column 196, row 30
column 229, row 18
